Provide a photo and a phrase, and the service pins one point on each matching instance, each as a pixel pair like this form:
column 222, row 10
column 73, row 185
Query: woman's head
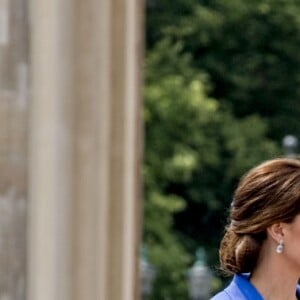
column 267, row 194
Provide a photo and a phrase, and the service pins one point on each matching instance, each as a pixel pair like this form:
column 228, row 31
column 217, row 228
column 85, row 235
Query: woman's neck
column 272, row 288
column 274, row 278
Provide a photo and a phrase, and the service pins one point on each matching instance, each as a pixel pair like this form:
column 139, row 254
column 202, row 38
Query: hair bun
column 238, row 253
column 246, row 253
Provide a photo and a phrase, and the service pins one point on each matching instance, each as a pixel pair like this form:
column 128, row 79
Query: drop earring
column 279, row 248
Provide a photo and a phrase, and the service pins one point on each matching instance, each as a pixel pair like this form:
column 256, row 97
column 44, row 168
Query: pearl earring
column 279, row 248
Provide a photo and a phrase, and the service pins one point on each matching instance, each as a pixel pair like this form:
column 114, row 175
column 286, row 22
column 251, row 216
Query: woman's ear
column 276, row 232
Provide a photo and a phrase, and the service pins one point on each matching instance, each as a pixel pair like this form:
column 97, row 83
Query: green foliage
column 250, row 51
column 174, row 94
column 221, row 90
column 166, row 253
column 194, row 150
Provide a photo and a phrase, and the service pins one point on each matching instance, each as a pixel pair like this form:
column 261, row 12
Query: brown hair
column 267, row 194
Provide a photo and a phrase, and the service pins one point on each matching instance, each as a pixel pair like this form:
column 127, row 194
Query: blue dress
column 241, row 288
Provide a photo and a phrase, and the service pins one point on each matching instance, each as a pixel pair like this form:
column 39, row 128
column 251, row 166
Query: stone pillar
column 50, row 150
column 85, row 150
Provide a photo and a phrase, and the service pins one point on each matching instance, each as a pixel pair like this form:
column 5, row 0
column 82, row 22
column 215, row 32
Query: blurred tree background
column 221, row 91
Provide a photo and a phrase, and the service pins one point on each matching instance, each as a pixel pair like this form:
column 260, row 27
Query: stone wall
column 70, row 149
column 14, row 100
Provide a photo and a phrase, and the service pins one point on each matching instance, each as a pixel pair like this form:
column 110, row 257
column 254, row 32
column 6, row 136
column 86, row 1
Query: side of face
column 289, row 233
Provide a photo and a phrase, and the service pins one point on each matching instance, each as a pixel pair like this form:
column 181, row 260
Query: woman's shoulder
column 221, row 296
column 233, row 290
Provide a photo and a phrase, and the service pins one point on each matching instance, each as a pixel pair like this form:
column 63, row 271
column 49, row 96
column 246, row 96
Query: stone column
column 50, row 150
column 85, row 150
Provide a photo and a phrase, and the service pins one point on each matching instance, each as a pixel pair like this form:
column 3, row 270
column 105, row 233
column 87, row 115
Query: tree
column 222, row 89
column 195, row 149
column 250, row 51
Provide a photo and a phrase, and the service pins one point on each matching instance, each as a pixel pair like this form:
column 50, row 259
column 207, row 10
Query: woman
column 261, row 245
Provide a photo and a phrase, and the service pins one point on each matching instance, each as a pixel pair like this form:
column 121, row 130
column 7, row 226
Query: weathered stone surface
column 13, row 147
column 85, row 150
column 70, row 149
